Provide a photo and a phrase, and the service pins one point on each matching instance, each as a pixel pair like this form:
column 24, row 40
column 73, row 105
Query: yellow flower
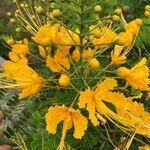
column 125, row 39
column 92, row 99
column 27, row 80
column 117, row 57
column 129, row 115
column 70, row 118
column 146, row 147
column 46, row 35
column 107, row 37
column 132, row 112
column 42, row 51
column 137, row 76
column 59, row 63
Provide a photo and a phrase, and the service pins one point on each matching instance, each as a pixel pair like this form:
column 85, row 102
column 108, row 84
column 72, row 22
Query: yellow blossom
column 137, row 76
column 46, row 35
column 117, row 57
column 70, row 117
column 133, row 112
column 88, row 98
column 129, row 115
column 59, row 63
column 27, row 80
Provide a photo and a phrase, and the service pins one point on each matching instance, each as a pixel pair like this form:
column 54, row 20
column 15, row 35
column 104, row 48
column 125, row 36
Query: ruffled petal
column 54, row 116
column 80, row 124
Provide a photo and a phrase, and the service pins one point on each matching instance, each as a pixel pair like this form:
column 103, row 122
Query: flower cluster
column 74, row 59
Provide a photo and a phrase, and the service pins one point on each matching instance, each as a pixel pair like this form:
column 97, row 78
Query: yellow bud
column 118, row 11
column 9, row 14
column 17, row 12
column 52, row 5
column 64, row 80
column 10, row 42
column 115, row 18
column 26, row 5
column 18, row 30
column 33, row 17
column 22, row 5
column 147, row 13
column 51, row 16
column 39, row 10
column 56, row 13
column 94, row 63
column 97, row 8
column 147, row 7
column 25, row 41
column 12, row 20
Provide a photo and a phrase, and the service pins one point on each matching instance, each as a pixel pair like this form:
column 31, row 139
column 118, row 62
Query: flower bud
column 18, row 29
column 56, row 13
column 118, row 11
column 9, row 14
column 97, row 9
column 147, row 13
column 64, row 80
column 115, row 18
column 94, row 63
column 147, row 7
column 39, row 10
column 12, row 20
column 51, row 16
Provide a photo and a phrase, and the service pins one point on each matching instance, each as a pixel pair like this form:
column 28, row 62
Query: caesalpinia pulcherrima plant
column 77, row 66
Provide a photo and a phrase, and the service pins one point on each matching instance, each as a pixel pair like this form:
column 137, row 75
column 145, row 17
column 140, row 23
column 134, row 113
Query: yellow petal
column 107, row 84
column 80, row 124
column 54, row 116
column 87, row 98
